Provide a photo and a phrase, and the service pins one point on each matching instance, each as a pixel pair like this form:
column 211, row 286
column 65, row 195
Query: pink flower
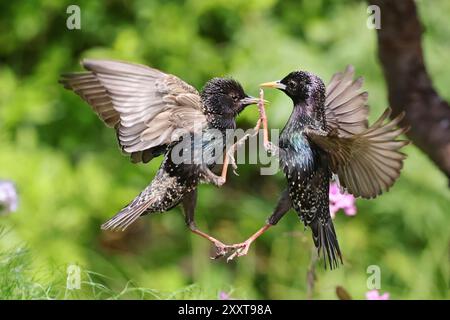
column 224, row 296
column 342, row 201
column 375, row 295
column 8, row 197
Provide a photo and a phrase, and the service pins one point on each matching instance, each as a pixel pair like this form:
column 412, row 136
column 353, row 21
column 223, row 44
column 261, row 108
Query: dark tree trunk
column 409, row 85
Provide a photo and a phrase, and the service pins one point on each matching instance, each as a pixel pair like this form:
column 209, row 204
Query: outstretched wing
column 369, row 162
column 345, row 105
column 148, row 108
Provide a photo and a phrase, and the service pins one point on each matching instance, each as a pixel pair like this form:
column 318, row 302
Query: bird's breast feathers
column 299, row 157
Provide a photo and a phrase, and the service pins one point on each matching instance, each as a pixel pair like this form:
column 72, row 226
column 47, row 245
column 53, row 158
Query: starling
column 327, row 137
column 155, row 113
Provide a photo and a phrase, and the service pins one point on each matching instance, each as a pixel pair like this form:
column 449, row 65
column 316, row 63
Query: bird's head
column 225, row 97
column 302, row 87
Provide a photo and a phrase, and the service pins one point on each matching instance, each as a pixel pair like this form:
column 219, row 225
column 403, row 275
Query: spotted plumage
column 328, row 135
column 156, row 113
column 306, row 166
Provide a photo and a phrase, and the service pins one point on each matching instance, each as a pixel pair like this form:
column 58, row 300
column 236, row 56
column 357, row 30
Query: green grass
column 16, row 279
column 18, row 283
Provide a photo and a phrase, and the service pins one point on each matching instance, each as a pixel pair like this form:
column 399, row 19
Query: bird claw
column 233, row 164
column 217, row 180
column 270, row 148
column 221, row 250
column 220, row 181
column 241, row 249
column 231, row 158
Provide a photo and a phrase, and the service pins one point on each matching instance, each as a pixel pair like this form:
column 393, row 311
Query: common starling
column 156, row 113
column 327, row 136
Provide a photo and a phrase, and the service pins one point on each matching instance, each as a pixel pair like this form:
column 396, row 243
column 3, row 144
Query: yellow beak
column 273, row 84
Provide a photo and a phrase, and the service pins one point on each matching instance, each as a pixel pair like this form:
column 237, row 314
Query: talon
column 270, row 148
column 241, row 249
column 221, row 250
column 233, row 164
column 231, row 257
column 220, row 181
column 238, row 245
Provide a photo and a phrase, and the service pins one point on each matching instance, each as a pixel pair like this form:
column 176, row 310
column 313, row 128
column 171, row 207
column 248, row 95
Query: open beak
column 273, row 84
column 251, row 100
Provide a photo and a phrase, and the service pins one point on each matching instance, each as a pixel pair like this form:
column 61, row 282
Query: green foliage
column 15, row 281
column 71, row 176
column 18, row 283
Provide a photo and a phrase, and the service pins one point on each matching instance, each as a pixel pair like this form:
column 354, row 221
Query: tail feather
column 132, row 211
column 128, row 215
column 326, row 242
column 123, row 219
column 161, row 195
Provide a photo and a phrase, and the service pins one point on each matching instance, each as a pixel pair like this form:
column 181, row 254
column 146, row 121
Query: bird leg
column 229, row 158
column 189, row 203
column 268, row 145
column 241, row 249
column 221, row 248
column 263, row 118
column 283, row 206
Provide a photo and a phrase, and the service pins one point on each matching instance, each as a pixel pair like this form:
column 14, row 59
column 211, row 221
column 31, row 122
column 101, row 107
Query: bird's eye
column 234, row 97
column 292, row 84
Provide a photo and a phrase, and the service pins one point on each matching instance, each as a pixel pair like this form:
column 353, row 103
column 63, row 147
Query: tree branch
column 409, row 85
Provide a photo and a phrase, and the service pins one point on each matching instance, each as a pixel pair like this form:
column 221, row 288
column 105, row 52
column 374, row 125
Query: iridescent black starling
column 327, row 136
column 156, row 113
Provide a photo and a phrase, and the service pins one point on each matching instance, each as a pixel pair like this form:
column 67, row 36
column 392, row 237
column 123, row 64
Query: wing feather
column 145, row 106
column 345, row 105
column 369, row 162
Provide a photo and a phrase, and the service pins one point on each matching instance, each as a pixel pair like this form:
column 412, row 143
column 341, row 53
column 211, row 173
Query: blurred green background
column 71, row 176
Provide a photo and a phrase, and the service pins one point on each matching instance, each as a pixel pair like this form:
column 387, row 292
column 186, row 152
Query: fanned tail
column 326, row 242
